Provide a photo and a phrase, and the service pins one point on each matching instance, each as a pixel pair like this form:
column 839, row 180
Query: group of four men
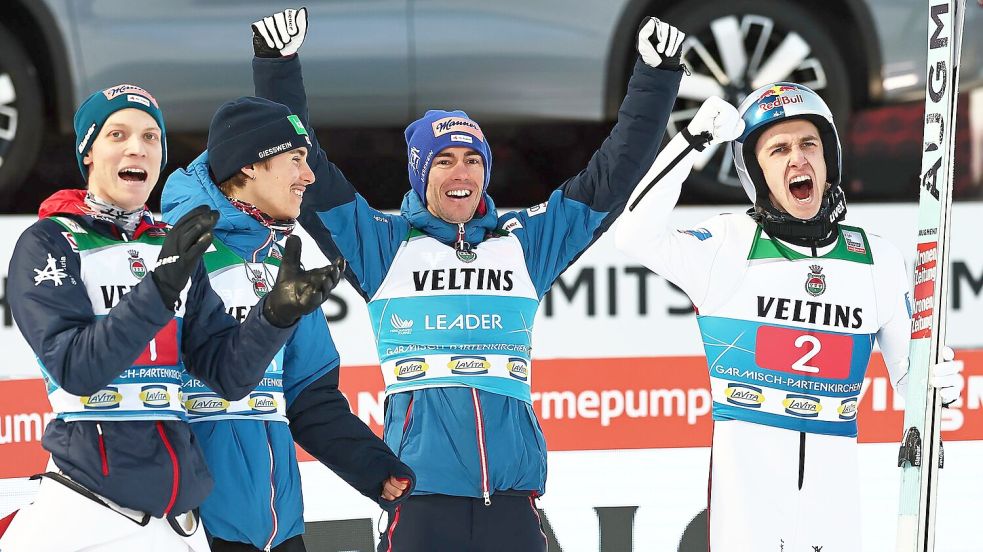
column 185, row 391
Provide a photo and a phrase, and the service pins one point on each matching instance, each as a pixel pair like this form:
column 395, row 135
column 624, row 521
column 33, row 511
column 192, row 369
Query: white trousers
column 776, row 490
column 61, row 520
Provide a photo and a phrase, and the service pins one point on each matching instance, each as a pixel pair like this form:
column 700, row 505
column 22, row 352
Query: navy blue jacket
column 434, row 429
column 153, row 466
column 239, row 451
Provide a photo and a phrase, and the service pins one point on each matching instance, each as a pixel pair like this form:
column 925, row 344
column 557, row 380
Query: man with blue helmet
column 453, row 289
column 789, row 303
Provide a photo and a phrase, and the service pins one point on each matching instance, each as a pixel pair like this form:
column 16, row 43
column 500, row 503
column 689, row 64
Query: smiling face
column 791, row 157
column 454, row 184
column 277, row 187
column 124, row 161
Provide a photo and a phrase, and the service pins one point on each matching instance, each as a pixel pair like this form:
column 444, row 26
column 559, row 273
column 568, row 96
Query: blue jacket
column 434, row 429
column 150, row 466
column 239, row 451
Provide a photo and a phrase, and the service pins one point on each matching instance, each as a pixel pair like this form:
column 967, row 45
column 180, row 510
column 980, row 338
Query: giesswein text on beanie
column 436, row 131
column 249, row 129
column 94, row 111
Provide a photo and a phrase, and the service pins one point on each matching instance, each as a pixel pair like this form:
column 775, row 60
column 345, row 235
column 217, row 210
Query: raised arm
column 579, row 211
column 685, row 258
column 333, row 213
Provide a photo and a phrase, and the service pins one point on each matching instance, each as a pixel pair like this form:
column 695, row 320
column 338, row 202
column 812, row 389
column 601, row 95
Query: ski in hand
column 920, row 456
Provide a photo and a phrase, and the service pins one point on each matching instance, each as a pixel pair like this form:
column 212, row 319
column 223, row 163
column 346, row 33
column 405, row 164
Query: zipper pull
column 487, row 497
column 460, row 244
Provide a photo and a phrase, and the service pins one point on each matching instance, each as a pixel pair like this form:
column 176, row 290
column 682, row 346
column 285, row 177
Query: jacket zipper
column 175, row 468
column 482, row 456
column 102, row 451
column 269, row 543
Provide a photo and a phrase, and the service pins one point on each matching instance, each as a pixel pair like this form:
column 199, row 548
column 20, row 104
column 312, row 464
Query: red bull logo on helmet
column 777, row 90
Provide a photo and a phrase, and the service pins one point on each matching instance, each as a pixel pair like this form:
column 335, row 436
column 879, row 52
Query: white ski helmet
column 776, row 103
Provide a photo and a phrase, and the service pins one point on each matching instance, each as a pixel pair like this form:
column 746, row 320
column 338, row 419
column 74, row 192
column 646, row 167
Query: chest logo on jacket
column 138, row 267
column 815, row 281
column 453, row 279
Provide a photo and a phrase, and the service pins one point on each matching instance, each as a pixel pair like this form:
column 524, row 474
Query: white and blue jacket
column 249, row 445
column 454, row 336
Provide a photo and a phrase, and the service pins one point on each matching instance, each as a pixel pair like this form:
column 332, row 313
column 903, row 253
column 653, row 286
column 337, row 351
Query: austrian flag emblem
column 816, row 281
column 260, row 286
column 137, row 267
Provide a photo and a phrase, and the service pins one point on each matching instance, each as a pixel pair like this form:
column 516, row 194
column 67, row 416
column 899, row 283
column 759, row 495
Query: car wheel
column 21, row 116
column 733, row 47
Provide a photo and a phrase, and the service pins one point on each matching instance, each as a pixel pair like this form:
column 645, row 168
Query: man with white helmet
column 789, row 302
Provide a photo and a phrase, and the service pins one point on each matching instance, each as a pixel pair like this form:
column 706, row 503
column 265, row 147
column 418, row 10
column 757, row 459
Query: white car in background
column 383, row 62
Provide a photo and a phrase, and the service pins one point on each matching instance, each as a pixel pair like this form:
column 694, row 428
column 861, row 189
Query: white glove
column 280, row 34
column 716, row 121
column 658, row 43
column 946, row 377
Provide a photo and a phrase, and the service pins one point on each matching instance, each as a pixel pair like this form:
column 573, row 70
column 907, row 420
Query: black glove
column 280, row 34
column 298, row 291
column 182, row 250
column 659, row 43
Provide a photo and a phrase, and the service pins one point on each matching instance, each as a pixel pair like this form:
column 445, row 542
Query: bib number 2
column 819, row 354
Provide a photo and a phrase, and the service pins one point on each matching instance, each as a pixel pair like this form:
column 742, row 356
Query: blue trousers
column 441, row 523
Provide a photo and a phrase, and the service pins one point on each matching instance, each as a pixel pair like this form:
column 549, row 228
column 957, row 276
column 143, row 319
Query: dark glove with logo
column 659, row 43
column 280, row 34
column 298, row 291
column 182, row 250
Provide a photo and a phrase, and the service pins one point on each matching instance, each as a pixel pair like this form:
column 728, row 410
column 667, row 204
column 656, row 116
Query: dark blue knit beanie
column 248, row 130
column 94, row 111
column 435, row 132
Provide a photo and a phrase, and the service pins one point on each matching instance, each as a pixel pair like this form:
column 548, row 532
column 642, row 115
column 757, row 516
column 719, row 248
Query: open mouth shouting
column 801, row 188
column 133, row 175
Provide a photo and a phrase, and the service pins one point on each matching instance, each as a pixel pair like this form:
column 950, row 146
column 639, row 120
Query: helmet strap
column 818, row 231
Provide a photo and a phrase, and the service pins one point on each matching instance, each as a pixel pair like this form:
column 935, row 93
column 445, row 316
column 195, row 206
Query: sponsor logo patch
column 50, row 273
column 854, row 241
column 415, row 159
column 744, row 395
column 518, row 368
column 462, row 138
column 137, row 99
column 298, row 126
column 205, row 404
column 469, row 365
column 155, row 396
column 262, row 402
column 275, row 150
column 70, row 238
column 104, row 399
column 411, row 369
column 457, row 124
column 847, row 409
column 128, row 89
column 802, row 406
column 512, row 225
column 698, row 233
column 400, row 326
column 537, row 209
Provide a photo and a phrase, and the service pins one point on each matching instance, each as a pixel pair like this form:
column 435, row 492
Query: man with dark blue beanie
column 255, row 174
column 453, row 289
